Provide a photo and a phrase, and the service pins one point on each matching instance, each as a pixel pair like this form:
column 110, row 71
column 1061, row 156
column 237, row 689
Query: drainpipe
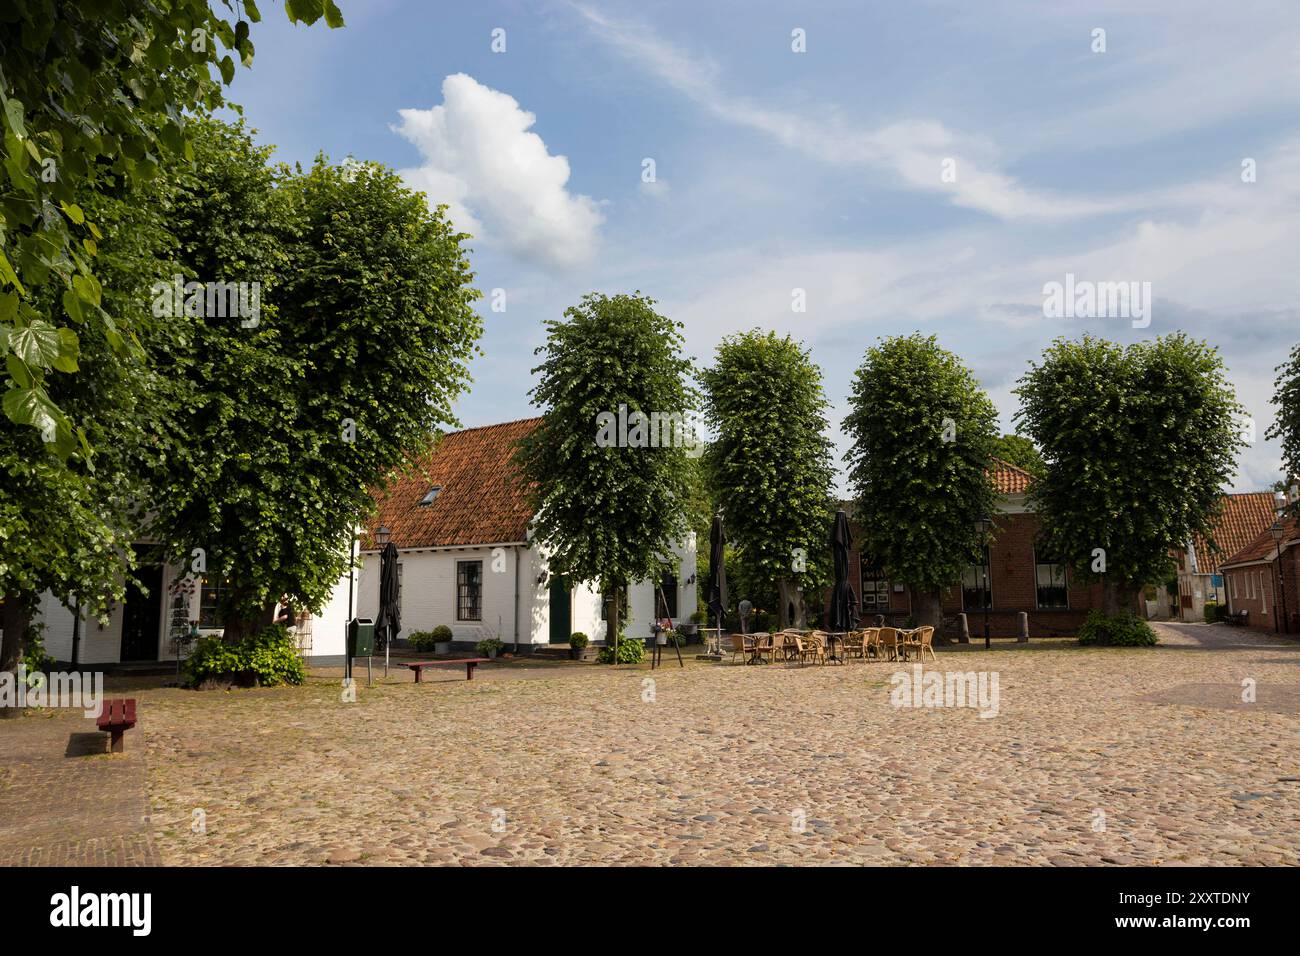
column 516, row 619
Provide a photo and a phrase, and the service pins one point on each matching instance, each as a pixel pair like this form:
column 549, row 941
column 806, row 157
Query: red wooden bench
column 469, row 662
column 117, row 717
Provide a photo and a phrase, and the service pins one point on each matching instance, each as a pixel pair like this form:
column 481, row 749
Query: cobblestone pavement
column 65, row 801
column 1096, row 756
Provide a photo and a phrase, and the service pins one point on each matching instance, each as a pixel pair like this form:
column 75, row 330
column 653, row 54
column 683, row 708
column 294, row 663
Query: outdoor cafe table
column 754, row 643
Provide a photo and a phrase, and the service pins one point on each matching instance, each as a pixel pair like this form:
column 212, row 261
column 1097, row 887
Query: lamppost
column 984, row 525
column 1277, row 530
column 382, row 534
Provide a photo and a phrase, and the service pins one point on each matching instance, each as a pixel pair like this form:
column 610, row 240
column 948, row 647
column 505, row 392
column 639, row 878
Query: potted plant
column 489, row 647
column 442, row 639
column 577, row 644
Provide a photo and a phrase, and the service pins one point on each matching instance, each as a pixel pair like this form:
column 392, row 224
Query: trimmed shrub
column 629, row 652
column 267, row 658
column 486, row 646
column 425, row 640
column 578, row 640
column 1122, row 630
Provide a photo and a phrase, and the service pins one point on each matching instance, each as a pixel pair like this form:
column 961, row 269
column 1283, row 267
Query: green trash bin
column 361, row 637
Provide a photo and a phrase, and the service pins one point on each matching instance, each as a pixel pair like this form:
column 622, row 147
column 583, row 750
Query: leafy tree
column 608, row 512
column 1286, row 426
column 286, row 422
column 921, row 432
column 68, row 527
column 1139, row 442
column 769, row 464
column 92, row 93
column 1021, row 452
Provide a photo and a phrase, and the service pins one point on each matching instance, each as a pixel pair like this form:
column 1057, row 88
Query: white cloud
column 498, row 178
column 914, row 150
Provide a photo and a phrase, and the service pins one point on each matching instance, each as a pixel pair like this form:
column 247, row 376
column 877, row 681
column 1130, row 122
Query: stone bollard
column 1022, row 636
column 964, row 637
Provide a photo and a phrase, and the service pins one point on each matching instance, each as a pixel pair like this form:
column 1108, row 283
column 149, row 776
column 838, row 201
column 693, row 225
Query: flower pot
column 442, row 647
column 492, row 654
column 575, row 653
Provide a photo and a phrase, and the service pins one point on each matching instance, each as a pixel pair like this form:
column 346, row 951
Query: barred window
column 212, row 599
column 469, row 590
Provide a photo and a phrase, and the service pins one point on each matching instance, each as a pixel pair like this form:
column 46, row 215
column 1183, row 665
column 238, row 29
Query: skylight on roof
column 428, row 499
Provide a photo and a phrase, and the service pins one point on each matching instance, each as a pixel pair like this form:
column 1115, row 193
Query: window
column 1049, row 579
column 875, row 589
column 212, row 600
column 428, row 498
column 666, row 606
column 469, row 590
column 1232, row 584
column 399, row 589
column 977, row 585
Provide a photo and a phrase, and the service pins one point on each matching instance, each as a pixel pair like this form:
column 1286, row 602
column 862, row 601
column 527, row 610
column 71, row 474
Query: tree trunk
column 791, row 599
column 927, row 607
column 238, row 627
column 1116, row 596
column 17, row 616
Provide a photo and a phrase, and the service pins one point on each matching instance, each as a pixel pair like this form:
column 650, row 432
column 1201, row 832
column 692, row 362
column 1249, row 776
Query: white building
column 460, row 524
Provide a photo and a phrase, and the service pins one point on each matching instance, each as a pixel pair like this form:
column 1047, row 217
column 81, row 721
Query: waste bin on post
column 361, row 640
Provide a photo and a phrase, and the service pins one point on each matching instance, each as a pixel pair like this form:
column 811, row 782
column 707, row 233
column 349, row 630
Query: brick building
column 1020, row 577
column 1243, row 518
column 1263, row 579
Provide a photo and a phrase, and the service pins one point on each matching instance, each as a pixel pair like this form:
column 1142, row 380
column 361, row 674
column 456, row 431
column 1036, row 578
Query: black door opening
column 142, row 616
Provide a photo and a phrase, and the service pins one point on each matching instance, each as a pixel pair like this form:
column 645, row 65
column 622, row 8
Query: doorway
column 561, row 613
column 142, row 616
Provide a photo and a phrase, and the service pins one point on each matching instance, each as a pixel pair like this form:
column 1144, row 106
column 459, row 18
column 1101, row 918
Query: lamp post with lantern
column 984, row 525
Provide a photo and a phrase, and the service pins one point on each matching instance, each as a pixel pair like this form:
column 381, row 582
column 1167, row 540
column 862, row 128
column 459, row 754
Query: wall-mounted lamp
column 690, row 580
column 541, row 578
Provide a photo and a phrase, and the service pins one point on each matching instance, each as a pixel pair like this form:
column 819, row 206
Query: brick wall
column 1013, row 585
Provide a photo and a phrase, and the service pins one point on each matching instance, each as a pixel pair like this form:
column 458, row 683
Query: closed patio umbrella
column 715, row 594
column 844, row 603
column 389, row 619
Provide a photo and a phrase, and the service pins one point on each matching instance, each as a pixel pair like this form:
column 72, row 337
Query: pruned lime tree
column 1139, row 442
column 769, row 463
column 329, row 357
column 920, row 430
column 610, row 481
column 1286, row 423
column 94, row 95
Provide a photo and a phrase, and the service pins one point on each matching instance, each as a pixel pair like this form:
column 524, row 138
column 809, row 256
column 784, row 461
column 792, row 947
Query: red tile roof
column 1010, row 479
column 1263, row 546
column 1244, row 518
column 480, row 502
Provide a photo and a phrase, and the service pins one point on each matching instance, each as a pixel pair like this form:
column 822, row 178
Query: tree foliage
column 1021, row 452
column 607, row 513
column 283, row 425
column 1286, row 423
column 769, row 464
column 93, row 93
column 921, row 431
column 1139, row 444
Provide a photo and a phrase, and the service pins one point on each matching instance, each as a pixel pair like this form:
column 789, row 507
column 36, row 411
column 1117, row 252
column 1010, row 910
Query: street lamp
column 382, row 536
column 1277, row 529
column 983, row 525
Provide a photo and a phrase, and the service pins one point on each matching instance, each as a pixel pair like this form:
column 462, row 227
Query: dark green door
column 142, row 616
column 561, row 613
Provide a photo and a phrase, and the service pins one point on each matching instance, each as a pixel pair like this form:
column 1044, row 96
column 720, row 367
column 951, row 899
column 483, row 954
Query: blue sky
column 823, row 170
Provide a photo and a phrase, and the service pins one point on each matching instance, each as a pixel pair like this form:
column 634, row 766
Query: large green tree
column 921, row 431
column 1140, row 443
column 769, row 464
column 284, row 422
column 609, row 507
column 93, row 94
column 1286, row 424
column 67, row 527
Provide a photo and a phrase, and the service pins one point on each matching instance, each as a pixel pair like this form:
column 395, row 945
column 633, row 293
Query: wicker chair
column 889, row 643
column 871, row 642
column 923, row 640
